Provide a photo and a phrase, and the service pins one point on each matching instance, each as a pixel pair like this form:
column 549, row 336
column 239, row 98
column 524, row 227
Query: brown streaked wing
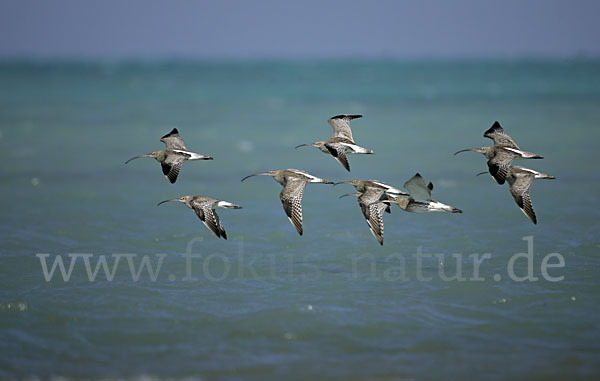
column 171, row 167
column 291, row 198
column 341, row 126
column 374, row 215
column 498, row 165
column 208, row 216
column 500, row 138
column 339, row 152
column 173, row 141
column 519, row 189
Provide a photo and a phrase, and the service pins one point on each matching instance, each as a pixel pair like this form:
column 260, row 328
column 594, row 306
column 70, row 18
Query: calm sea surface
column 267, row 303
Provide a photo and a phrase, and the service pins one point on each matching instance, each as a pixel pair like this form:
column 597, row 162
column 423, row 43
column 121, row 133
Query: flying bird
column 520, row 180
column 342, row 142
column 502, row 153
column 420, row 200
column 205, row 210
column 293, row 181
column 173, row 156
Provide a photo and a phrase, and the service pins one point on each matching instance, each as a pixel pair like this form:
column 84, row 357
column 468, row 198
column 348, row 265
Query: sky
column 299, row 29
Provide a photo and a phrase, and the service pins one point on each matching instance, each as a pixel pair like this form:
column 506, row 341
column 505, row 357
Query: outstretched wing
column 291, row 198
column 210, row 218
column 173, row 141
column 171, row 167
column 339, row 152
column 417, row 188
column 496, row 133
column 341, row 126
column 373, row 213
column 498, row 165
column 519, row 189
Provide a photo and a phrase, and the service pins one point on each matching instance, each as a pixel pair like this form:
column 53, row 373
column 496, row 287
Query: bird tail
column 229, row 205
column 322, row 181
column 544, row 176
column 197, row 156
column 436, row 206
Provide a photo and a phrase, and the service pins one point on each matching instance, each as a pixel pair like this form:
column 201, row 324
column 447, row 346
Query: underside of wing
column 498, row 165
column 417, row 188
column 374, row 215
column 339, row 152
column 208, row 216
column 171, row 167
column 524, row 202
column 520, row 191
column 291, row 199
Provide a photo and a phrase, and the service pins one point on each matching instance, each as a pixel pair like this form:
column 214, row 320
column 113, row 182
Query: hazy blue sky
column 299, row 29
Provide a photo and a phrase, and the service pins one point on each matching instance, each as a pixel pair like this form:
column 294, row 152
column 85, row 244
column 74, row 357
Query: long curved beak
column 468, row 149
column 350, row 194
column 481, row 173
column 162, row 202
column 302, row 145
column 137, row 157
column 343, row 182
column 257, row 174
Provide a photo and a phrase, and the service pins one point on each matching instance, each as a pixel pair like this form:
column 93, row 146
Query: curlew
column 205, row 210
column 293, row 181
column 342, row 142
column 502, row 153
column 420, row 200
column 173, row 156
column 520, row 180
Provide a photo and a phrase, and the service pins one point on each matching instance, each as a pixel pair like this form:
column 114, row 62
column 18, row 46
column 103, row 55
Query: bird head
column 184, row 199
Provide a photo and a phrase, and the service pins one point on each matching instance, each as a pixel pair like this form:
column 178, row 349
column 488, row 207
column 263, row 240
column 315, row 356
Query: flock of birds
column 374, row 197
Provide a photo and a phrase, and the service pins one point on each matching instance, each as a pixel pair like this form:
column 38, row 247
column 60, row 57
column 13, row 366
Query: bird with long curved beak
column 293, row 182
column 173, row 156
column 204, row 207
column 502, row 153
column 342, row 142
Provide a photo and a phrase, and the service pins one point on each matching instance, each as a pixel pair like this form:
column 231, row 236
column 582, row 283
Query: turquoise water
column 267, row 303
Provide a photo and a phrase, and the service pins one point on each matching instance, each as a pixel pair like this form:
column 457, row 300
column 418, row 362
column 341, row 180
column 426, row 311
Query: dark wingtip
column 173, row 132
column 496, row 127
column 342, row 116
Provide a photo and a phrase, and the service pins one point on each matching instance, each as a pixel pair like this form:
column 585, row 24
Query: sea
column 98, row 282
